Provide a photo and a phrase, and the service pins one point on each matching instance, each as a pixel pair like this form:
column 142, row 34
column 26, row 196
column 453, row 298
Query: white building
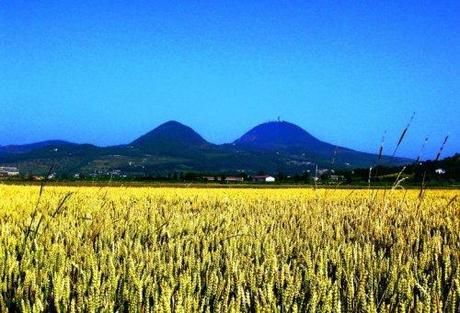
column 264, row 178
column 270, row 179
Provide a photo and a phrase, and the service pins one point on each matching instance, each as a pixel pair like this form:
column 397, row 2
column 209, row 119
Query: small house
column 264, row 178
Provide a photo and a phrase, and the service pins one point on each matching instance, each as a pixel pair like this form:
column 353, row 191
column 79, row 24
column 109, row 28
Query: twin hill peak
column 171, row 132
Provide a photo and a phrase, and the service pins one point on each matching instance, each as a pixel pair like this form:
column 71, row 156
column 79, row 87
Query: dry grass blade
column 452, row 200
column 441, row 148
column 421, row 151
column 61, row 204
column 380, row 154
column 403, row 134
column 398, row 178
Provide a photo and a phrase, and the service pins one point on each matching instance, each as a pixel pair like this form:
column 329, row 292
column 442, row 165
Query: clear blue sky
column 105, row 72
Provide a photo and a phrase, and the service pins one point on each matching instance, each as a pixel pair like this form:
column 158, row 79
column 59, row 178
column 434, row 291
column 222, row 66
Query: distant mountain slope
column 281, row 136
column 169, row 137
column 291, row 139
column 33, row 146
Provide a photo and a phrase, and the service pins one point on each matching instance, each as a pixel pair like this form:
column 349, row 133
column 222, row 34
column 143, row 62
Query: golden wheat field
column 89, row 249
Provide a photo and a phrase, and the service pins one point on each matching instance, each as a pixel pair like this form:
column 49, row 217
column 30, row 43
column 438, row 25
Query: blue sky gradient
column 105, row 72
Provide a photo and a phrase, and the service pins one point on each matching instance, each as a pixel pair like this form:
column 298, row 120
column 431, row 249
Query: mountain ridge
column 32, row 146
column 173, row 146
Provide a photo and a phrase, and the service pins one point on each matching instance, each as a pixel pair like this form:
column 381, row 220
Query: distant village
column 9, row 171
column 13, row 173
column 318, row 175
